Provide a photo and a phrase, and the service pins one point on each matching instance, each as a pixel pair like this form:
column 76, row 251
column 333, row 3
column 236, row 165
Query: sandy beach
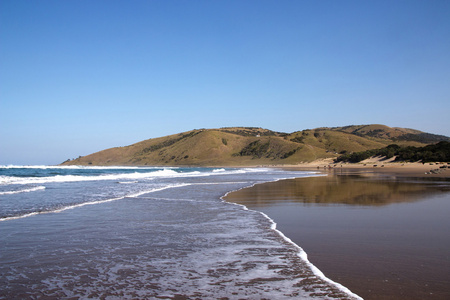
column 381, row 231
column 378, row 165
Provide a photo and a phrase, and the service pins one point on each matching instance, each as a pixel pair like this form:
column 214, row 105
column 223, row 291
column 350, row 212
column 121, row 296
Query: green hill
column 250, row 146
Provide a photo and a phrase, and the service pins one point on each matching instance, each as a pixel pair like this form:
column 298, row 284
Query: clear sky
column 79, row 76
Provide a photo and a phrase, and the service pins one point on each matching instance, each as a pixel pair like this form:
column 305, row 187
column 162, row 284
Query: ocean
column 146, row 233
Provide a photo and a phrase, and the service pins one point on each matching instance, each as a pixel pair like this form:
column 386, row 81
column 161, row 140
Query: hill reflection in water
column 381, row 236
column 348, row 189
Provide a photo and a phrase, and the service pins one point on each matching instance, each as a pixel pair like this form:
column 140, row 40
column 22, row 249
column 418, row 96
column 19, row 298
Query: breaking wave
column 26, row 190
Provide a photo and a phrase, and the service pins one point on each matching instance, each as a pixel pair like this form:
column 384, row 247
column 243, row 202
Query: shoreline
column 270, row 199
column 237, row 255
column 427, row 170
column 300, row 251
column 374, row 164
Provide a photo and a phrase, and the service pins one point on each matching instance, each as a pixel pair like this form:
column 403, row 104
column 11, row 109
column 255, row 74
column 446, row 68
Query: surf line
column 304, row 256
column 300, row 252
column 33, row 189
column 92, row 203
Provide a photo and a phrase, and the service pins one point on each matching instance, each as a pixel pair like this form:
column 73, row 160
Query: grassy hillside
column 248, row 146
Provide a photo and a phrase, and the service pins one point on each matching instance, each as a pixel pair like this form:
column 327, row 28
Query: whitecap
column 75, row 167
column 77, row 178
column 58, row 210
column 27, row 190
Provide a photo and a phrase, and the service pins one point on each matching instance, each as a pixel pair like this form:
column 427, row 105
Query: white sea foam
column 202, row 250
column 301, row 253
column 166, row 172
column 75, row 178
column 119, row 198
column 94, row 202
column 20, row 217
column 27, row 190
column 45, row 167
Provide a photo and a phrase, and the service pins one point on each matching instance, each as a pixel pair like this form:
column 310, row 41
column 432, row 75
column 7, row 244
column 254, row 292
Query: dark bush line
column 439, row 152
column 255, row 149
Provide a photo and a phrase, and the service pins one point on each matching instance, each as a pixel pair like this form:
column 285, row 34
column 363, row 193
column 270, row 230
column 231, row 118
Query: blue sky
column 77, row 77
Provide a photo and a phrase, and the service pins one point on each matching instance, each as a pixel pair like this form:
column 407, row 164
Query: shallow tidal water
column 146, row 233
column 381, row 236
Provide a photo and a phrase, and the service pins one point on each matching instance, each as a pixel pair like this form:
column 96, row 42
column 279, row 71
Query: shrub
column 439, row 152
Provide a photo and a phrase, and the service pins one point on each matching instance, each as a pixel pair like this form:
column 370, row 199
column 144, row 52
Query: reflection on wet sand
column 352, row 189
column 383, row 237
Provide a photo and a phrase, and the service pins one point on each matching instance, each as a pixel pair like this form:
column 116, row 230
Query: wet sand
column 381, row 235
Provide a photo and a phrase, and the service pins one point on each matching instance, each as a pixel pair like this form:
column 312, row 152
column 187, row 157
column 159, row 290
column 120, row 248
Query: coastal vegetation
column 439, row 152
column 254, row 146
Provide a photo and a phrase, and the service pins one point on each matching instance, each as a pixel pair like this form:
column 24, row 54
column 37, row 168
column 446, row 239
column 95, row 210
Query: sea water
column 146, row 233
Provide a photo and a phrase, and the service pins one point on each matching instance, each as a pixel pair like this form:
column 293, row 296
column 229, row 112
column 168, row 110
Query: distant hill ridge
column 253, row 146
